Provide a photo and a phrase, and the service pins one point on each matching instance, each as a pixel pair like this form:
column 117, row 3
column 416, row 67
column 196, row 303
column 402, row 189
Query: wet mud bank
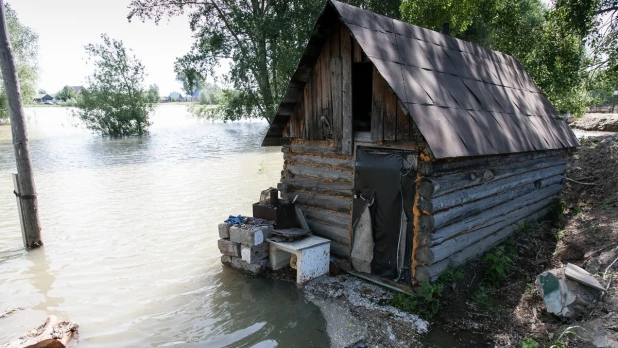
column 357, row 317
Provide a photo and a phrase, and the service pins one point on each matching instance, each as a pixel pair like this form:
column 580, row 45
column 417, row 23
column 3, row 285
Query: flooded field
column 130, row 234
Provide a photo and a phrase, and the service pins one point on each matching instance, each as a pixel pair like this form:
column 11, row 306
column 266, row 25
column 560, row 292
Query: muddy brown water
column 130, row 230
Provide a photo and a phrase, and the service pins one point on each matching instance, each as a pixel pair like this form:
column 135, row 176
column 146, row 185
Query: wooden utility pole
column 25, row 189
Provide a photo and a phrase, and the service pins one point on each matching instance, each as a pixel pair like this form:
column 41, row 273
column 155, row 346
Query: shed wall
column 466, row 206
column 327, row 93
column 322, row 178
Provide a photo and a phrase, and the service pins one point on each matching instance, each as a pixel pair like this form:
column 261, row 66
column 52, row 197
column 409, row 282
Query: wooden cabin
column 411, row 150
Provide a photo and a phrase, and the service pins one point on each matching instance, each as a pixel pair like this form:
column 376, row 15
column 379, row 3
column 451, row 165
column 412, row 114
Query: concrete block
column 226, row 259
column 250, row 236
column 254, row 253
column 255, row 268
column 227, row 247
column 278, row 259
column 224, row 230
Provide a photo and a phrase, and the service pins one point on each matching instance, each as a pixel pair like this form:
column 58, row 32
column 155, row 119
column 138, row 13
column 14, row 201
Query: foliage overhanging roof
column 465, row 99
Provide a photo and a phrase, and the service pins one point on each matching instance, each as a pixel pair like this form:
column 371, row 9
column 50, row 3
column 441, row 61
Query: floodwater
column 130, row 231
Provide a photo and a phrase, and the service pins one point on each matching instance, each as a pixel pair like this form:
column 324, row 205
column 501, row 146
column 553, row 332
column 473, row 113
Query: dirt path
column 596, row 122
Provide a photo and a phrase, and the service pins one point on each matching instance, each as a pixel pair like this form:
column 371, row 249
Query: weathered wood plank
column 440, row 168
column 438, row 252
column 333, row 233
column 335, row 85
column 403, row 124
column 340, row 204
column 358, row 56
column 335, row 40
column 332, row 188
column 322, row 173
column 438, row 186
column 488, row 217
column 340, row 250
column 446, row 217
column 329, row 217
column 308, row 109
column 312, row 147
column 472, row 251
column 337, row 162
column 377, row 107
column 346, row 90
column 316, row 130
column 486, row 189
column 325, row 90
column 390, row 114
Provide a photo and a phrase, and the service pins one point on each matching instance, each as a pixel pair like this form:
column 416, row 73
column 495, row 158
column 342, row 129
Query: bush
column 115, row 103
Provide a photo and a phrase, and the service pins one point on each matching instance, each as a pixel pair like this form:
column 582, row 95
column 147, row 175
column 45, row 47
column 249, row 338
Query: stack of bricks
column 244, row 247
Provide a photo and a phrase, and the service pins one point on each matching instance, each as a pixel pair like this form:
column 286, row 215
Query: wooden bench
column 312, row 256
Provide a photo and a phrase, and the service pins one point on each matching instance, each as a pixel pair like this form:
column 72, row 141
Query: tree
column 115, row 102
column 525, row 29
column 153, row 93
column 263, row 39
column 597, row 22
column 41, row 91
column 25, row 43
column 66, row 93
column 211, row 94
column 432, row 14
column 188, row 75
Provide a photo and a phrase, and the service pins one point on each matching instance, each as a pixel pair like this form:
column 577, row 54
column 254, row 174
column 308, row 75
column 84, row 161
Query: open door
column 382, row 221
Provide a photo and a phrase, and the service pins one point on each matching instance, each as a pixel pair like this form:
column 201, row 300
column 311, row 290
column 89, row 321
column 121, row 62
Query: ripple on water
column 130, row 230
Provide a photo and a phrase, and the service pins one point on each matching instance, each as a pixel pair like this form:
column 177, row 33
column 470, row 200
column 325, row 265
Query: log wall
column 466, row 206
column 322, row 178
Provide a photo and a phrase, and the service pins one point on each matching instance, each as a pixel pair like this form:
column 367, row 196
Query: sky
column 66, row 26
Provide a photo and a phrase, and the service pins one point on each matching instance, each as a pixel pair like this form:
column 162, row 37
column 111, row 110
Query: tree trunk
column 27, row 189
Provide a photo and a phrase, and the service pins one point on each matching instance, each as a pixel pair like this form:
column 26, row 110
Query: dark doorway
column 387, row 178
column 362, row 83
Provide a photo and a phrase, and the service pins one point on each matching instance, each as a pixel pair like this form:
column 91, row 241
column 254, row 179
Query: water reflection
column 42, row 278
column 130, row 230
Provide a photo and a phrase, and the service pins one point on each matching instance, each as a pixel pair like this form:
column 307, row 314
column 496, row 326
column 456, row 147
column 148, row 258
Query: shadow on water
column 252, row 311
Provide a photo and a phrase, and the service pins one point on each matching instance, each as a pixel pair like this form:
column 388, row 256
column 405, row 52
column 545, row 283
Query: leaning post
column 25, row 188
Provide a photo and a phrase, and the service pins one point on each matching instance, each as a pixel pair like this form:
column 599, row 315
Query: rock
column 599, row 261
column 227, row 247
column 255, row 268
column 224, row 230
column 255, row 253
column 250, row 236
column 597, row 334
column 226, row 259
column 564, row 297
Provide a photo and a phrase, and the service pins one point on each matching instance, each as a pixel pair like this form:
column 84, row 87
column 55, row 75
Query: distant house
column 164, row 99
column 77, row 89
column 42, row 98
column 175, row 96
column 196, row 95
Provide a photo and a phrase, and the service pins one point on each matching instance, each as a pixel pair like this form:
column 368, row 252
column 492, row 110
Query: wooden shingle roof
column 465, row 99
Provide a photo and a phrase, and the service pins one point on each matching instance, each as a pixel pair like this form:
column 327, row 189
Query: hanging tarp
column 381, row 174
